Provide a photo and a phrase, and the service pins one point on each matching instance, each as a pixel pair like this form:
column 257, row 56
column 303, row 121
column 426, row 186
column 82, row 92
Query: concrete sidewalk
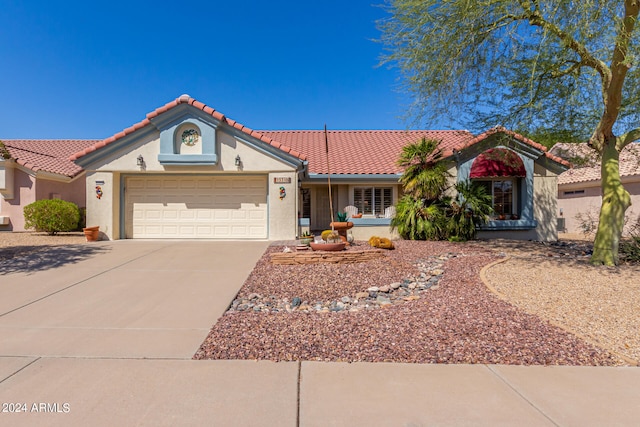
column 107, row 339
column 128, row 392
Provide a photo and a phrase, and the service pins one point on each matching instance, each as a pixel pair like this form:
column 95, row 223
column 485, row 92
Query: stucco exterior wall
column 545, row 205
column 24, row 193
column 103, row 211
column 73, row 191
column 283, row 219
column 589, row 202
column 107, row 211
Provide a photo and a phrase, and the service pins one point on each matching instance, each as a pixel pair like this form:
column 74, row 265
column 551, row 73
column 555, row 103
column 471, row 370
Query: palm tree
column 425, row 176
column 424, row 212
column 470, row 209
column 420, row 213
column 416, row 220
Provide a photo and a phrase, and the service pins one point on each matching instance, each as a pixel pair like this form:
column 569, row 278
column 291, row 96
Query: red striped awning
column 497, row 162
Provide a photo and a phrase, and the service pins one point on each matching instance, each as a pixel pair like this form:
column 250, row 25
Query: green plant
column 341, row 216
column 630, row 248
column 4, row 153
column 82, row 223
column 417, row 220
column 52, row 216
column 306, row 234
column 468, row 211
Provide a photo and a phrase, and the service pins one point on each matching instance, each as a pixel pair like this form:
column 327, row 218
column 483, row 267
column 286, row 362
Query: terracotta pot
column 328, row 246
column 341, row 228
column 91, row 233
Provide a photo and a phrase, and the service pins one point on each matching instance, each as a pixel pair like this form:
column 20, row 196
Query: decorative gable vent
column 187, row 137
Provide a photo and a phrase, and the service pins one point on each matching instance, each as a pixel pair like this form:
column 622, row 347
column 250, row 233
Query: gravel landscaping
column 424, row 302
column 316, row 312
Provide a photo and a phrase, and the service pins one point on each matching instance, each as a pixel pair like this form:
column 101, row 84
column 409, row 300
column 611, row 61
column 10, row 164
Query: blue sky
column 75, row 69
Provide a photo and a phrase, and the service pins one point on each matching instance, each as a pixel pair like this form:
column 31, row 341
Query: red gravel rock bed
column 459, row 322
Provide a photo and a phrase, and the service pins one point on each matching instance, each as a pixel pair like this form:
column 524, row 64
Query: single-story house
column 31, row 170
column 188, row 171
column 579, row 188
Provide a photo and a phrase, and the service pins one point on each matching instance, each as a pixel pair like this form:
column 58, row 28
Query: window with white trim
column 372, row 200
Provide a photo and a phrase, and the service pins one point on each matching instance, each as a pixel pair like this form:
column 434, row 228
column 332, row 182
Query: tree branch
column 576, row 65
column 536, row 19
column 627, row 138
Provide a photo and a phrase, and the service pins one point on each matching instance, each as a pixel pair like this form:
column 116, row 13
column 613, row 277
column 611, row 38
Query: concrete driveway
column 128, row 299
column 103, row 335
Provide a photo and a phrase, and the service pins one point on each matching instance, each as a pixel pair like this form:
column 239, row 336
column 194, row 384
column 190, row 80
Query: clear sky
column 88, row 69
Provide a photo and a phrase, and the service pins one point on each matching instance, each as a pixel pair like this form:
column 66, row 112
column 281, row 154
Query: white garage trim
column 195, row 206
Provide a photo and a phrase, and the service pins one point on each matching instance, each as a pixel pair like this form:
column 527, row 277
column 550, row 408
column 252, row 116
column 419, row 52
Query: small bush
column 52, row 216
column 630, row 250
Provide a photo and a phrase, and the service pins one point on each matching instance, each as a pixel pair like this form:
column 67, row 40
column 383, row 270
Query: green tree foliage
column 528, row 64
column 424, row 176
column 425, row 211
column 4, row 153
column 52, row 216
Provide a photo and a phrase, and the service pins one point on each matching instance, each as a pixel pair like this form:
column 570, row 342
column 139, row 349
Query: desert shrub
column 588, row 221
column 629, row 250
column 52, row 216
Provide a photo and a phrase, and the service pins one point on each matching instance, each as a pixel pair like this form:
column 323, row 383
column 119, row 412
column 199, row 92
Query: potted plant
column 332, row 241
column 342, row 225
column 306, row 238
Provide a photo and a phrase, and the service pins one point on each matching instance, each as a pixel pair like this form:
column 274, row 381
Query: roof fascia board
column 90, row 159
column 179, row 113
column 551, row 165
column 51, row 176
column 351, row 178
column 500, row 140
column 24, row 169
column 593, row 183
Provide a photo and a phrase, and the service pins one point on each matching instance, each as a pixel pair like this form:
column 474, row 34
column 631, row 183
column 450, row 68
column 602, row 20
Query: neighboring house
column 188, row 171
column 32, row 170
column 579, row 188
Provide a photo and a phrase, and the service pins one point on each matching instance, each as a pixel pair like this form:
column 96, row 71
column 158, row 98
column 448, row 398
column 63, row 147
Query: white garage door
column 202, row 207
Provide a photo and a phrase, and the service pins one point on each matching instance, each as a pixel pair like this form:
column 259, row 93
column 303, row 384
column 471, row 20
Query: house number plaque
column 282, row 180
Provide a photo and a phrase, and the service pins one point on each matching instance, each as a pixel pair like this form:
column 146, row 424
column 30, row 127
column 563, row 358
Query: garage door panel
column 192, row 207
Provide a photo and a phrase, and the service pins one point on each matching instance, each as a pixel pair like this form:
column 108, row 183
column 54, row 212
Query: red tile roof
column 47, row 155
column 361, row 151
column 629, row 162
column 500, row 129
column 186, row 99
column 366, row 152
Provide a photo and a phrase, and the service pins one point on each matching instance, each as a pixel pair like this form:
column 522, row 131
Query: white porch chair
column 351, row 210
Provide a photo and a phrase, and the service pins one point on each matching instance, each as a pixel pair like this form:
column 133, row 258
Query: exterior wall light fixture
column 238, row 160
column 140, row 160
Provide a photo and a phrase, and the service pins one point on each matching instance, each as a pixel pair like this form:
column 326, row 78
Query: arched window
column 500, row 171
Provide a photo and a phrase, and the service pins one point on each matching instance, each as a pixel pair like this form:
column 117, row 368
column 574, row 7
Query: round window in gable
column 190, row 137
